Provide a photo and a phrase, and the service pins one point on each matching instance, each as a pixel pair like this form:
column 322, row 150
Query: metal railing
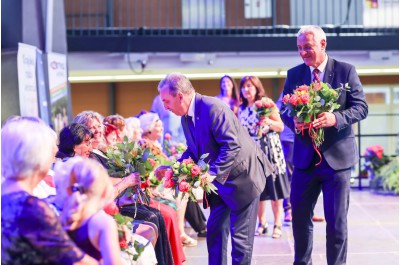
column 385, row 139
column 229, row 17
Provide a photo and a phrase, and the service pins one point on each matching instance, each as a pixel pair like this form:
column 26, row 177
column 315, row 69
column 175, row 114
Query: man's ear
column 180, row 95
column 323, row 44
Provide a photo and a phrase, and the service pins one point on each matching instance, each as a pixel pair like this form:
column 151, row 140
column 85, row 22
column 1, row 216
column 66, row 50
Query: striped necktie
column 315, row 75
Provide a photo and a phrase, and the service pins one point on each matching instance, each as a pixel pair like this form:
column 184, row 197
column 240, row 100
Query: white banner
column 58, row 78
column 26, row 63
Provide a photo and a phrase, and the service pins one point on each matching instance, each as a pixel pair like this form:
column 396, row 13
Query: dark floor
column 373, row 222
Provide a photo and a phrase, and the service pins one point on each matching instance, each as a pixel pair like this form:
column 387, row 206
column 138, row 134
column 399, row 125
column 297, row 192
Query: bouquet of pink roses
column 264, row 108
column 308, row 101
column 186, row 175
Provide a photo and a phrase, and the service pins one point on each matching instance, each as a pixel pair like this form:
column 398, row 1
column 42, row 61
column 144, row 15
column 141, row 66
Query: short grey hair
column 176, row 82
column 317, row 32
column 27, row 147
column 86, row 116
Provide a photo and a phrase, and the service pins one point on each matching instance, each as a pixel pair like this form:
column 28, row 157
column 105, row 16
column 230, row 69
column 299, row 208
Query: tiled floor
column 373, row 236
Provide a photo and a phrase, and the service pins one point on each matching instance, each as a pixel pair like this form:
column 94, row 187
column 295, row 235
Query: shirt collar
column 191, row 107
column 322, row 66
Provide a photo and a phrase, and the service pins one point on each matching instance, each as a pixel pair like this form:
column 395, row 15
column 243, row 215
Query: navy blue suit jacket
column 339, row 147
column 233, row 156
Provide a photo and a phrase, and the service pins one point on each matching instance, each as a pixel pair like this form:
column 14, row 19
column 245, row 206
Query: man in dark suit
column 240, row 167
column 339, row 151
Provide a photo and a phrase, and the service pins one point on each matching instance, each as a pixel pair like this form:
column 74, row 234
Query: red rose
column 145, row 184
column 184, row 186
column 111, row 208
column 168, row 136
column 169, row 183
column 195, row 170
column 123, row 244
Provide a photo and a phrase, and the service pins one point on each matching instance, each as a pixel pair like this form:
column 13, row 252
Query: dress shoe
column 202, row 233
column 288, row 216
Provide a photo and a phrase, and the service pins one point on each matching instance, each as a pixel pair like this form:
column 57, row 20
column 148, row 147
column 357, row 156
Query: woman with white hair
column 31, row 232
column 134, row 131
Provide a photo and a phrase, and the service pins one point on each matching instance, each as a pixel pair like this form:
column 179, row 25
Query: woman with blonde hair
column 87, row 191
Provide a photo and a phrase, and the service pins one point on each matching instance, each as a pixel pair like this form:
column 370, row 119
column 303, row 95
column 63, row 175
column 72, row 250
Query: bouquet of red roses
column 186, row 175
column 308, row 101
column 264, row 108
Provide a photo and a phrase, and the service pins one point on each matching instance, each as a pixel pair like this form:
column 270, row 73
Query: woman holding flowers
column 261, row 118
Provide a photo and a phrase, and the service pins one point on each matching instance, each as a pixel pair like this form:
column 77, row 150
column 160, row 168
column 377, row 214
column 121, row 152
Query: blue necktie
column 191, row 126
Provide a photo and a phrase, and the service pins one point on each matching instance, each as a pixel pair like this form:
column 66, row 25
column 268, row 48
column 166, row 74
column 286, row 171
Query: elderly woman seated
column 75, row 140
column 31, row 232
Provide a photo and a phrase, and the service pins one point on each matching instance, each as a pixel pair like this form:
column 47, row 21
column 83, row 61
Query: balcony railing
column 229, row 17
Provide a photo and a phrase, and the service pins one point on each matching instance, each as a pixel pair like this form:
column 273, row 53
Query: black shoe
column 202, row 233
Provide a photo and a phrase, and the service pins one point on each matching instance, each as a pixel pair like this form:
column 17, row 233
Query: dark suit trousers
column 240, row 224
column 305, row 189
column 195, row 216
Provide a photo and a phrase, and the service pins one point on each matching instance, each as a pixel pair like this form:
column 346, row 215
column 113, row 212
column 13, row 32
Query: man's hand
column 325, row 119
column 299, row 126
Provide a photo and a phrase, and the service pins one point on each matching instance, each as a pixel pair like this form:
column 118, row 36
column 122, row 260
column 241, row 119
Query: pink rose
column 169, row 183
column 152, row 162
column 286, row 98
column 269, row 104
column 168, row 174
column 168, row 136
column 258, row 104
column 173, row 150
column 305, row 98
column 187, row 161
column 317, row 86
column 294, row 100
column 302, row 88
column 195, row 170
column 184, row 186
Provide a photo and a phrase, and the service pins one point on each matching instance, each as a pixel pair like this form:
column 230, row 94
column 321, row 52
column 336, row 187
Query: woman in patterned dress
column 252, row 90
